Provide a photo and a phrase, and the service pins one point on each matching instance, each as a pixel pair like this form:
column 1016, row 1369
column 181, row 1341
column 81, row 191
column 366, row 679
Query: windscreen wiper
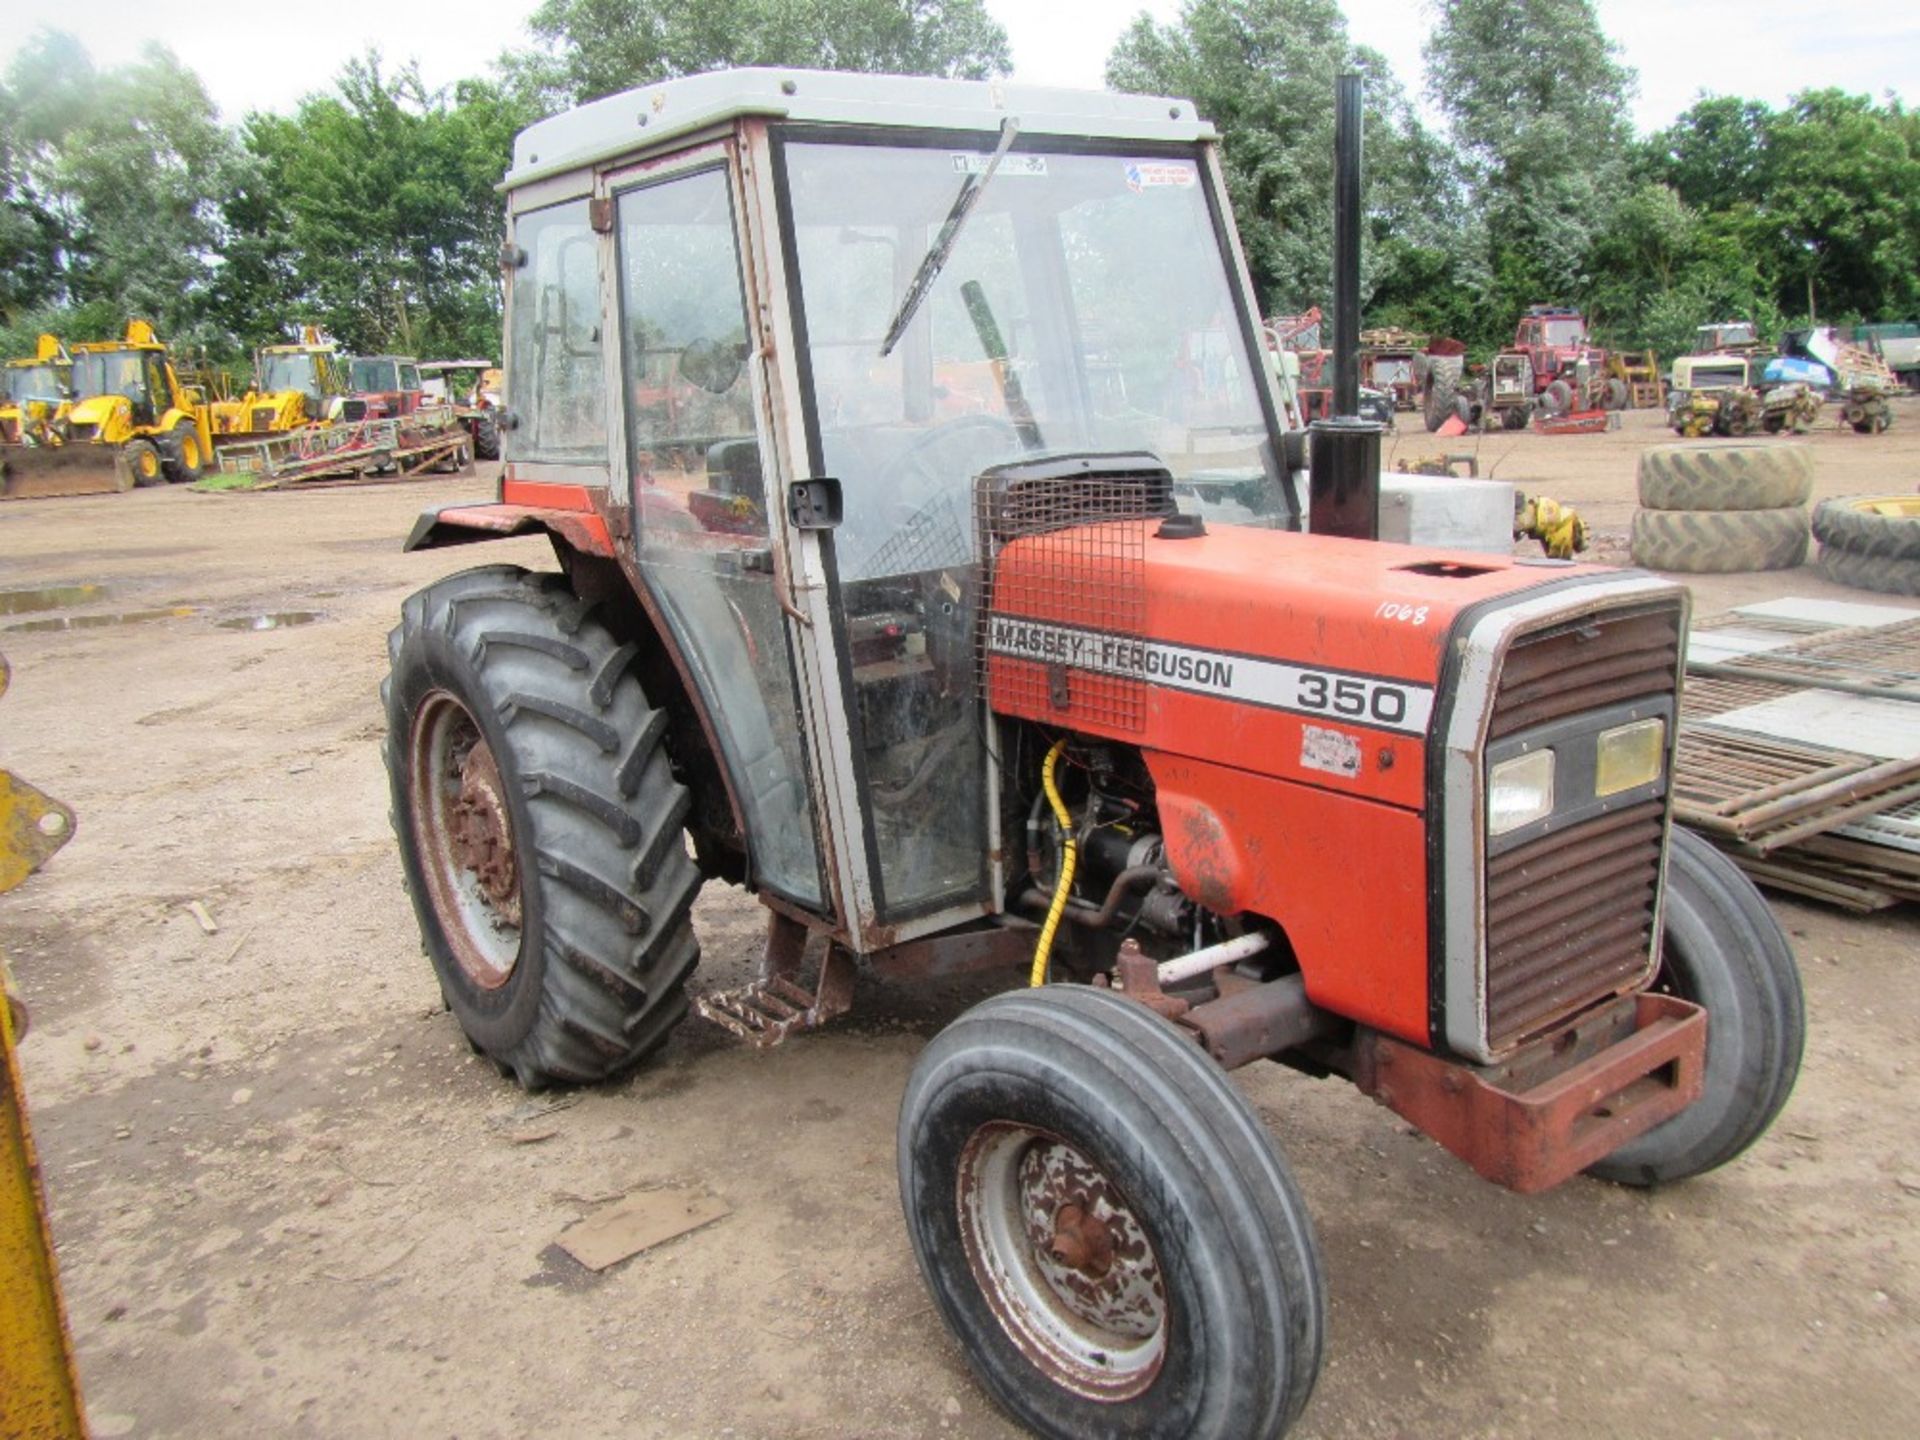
column 949, row 236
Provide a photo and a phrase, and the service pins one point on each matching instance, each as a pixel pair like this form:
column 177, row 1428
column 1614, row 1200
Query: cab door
column 707, row 500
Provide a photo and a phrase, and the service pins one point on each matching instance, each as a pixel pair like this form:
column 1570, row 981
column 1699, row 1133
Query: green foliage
column 599, row 47
column 108, row 180
column 1263, row 71
column 1537, row 103
column 376, row 201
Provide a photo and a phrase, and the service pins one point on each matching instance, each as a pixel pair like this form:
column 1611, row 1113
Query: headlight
column 1629, row 756
column 1519, row 792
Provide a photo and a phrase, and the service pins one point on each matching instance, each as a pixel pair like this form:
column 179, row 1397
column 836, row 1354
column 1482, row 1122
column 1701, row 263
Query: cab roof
column 644, row 119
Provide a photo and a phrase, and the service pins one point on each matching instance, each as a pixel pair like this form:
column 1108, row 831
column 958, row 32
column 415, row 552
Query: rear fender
column 468, row 522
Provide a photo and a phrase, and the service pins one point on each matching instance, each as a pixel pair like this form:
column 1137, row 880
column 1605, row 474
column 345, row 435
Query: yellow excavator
column 35, row 402
column 293, row 387
column 39, row 1395
column 131, row 423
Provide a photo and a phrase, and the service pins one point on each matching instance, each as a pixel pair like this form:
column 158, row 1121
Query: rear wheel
column 1557, row 398
column 186, row 460
column 143, row 462
column 540, row 826
column 486, row 438
column 1105, row 1225
column 1719, row 542
column 1725, row 951
column 1443, row 384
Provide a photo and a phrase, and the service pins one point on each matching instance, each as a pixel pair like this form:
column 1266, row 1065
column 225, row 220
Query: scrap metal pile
column 430, row 439
column 1799, row 747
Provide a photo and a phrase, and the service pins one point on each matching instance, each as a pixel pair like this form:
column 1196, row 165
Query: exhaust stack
column 1344, row 452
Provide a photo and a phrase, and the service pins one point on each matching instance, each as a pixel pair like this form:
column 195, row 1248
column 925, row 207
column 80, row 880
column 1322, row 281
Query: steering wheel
column 929, row 502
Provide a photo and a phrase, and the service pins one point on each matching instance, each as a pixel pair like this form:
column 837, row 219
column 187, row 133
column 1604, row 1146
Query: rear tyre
column 1725, row 951
column 185, row 460
column 1730, row 476
column 143, row 462
column 540, row 826
column 1881, row 526
column 1106, row 1226
column 486, row 438
column 1884, row 574
column 1719, row 542
column 1443, row 384
column 1557, row 398
column 1617, row 393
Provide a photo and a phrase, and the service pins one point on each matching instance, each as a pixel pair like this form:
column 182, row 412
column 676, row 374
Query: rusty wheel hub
column 463, row 834
column 481, row 834
column 1063, row 1261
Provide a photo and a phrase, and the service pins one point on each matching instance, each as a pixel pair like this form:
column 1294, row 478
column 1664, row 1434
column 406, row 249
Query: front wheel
column 1725, row 951
column 143, row 462
column 540, row 826
column 186, row 461
column 1105, row 1225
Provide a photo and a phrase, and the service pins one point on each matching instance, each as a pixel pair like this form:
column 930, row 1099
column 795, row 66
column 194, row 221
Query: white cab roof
column 642, row 119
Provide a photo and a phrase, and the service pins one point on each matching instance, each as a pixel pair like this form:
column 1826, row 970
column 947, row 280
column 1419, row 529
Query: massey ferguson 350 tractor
column 874, row 423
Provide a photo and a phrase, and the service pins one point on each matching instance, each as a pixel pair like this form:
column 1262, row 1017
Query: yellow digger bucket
column 35, row 472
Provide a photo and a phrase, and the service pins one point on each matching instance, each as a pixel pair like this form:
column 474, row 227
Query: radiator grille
column 1570, row 916
column 353, row 410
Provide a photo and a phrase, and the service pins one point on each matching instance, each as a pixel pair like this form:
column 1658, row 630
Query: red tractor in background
column 382, row 387
column 1569, row 371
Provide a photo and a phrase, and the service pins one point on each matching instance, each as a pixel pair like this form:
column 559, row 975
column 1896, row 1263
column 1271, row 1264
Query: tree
column 389, row 224
column 599, row 47
column 1537, row 103
column 1263, row 72
column 109, row 179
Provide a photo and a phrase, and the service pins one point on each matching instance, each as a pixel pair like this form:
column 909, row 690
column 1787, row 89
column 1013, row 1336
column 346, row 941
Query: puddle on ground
column 92, row 622
column 49, row 597
column 276, row 620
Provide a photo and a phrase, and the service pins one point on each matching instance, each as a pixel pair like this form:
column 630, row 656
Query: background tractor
column 382, row 387
column 464, row 385
column 1569, row 371
column 293, row 386
column 990, row 690
column 36, row 398
column 131, row 423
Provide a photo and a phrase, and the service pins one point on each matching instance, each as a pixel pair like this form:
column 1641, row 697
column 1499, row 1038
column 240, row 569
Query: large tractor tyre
column 1443, row 387
column 486, row 438
column 1719, row 542
column 1723, row 950
column 143, row 461
column 1876, row 526
column 1105, row 1225
column 540, row 826
column 1725, row 476
column 1557, row 398
column 1887, row 574
column 186, row 460
column 1617, row 393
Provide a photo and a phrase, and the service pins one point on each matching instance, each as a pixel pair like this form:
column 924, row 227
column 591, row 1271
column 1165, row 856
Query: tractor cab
column 381, row 387
column 966, row 305
column 35, row 395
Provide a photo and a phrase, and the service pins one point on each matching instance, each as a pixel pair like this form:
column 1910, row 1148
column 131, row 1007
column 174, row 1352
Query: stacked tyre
column 1715, row 509
column 1871, row 542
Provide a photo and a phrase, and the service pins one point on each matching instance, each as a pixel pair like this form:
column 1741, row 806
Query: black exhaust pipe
column 1344, row 452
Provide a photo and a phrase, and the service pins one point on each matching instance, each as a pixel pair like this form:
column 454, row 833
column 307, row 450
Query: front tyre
column 184, row 459
column 1725, row 951
column 540, row 826
column 1105, row 1225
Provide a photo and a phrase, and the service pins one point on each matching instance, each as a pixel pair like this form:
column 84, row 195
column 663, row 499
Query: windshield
column 33, row 382
column 1566, row 332
column 288, row 372
column 369, row 376
column 116, row 372
column 1085, row 306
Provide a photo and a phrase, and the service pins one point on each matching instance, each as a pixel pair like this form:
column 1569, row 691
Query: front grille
column 83, row 432
column 354, row 410
column 1570, row 915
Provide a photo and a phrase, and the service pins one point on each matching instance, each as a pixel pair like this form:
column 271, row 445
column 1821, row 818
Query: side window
column 690, row 416
column 555, row 361
column 409, row 377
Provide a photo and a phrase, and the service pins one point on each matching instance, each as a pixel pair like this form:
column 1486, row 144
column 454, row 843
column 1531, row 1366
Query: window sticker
column 1153, row 174
column 1028, row 165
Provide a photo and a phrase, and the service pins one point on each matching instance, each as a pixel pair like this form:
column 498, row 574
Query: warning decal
column 1155, row 174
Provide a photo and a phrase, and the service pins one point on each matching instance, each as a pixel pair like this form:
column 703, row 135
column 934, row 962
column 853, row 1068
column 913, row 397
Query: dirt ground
column 289, row 1201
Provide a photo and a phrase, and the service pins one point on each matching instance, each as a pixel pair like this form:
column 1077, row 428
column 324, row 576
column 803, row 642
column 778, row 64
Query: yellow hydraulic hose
column 1069, row 853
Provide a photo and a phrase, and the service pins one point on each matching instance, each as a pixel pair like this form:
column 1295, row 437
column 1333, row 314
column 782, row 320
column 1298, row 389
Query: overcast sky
column 1767, row 49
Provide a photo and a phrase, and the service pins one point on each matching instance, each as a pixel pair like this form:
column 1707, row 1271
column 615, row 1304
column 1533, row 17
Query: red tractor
column 1002, row 691
column 382, row 387
column 1569, row 372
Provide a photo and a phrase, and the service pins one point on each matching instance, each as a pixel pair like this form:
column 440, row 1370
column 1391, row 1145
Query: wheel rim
column 463, row 833
column 147, row 462
column 1063, row 1261
column 190, row 452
